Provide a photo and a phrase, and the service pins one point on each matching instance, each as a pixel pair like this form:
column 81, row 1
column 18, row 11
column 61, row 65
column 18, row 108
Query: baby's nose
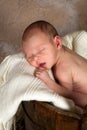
column 35, row 61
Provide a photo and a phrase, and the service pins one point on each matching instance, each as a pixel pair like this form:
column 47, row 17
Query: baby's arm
column 44, row 76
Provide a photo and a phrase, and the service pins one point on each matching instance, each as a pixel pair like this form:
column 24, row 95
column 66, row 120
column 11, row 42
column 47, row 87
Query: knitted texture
column 17, row 84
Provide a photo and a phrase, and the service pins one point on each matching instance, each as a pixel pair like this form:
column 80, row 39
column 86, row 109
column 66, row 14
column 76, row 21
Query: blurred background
column 15, row 15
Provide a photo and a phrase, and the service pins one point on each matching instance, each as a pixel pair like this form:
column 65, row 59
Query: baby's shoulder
column 63, row 75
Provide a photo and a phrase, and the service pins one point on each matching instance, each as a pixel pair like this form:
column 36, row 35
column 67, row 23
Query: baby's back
column 80, row 81
column 72, row 74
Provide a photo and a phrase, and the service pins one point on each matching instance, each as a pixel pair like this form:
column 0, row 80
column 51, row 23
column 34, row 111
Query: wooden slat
column 44, row 116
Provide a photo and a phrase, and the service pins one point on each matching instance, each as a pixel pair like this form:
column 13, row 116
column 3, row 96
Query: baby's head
column 42, row 26
column 40, row 43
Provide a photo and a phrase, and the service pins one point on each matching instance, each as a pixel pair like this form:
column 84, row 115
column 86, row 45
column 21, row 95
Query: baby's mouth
column 42, row 65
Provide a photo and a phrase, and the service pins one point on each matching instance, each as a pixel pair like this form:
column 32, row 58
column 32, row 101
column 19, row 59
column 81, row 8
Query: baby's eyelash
column 42, row 50
column 29, row 58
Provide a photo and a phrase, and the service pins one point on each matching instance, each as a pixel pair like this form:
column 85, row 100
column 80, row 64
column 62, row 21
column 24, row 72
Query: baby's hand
column 42, row 74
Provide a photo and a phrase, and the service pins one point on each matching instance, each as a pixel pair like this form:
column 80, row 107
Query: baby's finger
column 38, row 74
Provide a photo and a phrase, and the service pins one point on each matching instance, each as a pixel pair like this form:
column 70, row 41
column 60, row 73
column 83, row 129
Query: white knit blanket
column 17, row 84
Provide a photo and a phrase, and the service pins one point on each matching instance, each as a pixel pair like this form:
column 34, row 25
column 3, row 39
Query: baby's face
column 40, row 51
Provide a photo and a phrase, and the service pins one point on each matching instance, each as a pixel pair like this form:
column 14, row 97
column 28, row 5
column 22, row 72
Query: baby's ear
column 58, row 42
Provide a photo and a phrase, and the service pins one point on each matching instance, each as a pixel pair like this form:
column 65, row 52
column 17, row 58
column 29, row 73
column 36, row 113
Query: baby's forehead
column 36, row 32
column 36, row 38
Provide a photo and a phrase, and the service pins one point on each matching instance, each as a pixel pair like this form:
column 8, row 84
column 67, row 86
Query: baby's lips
column 42, row 65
